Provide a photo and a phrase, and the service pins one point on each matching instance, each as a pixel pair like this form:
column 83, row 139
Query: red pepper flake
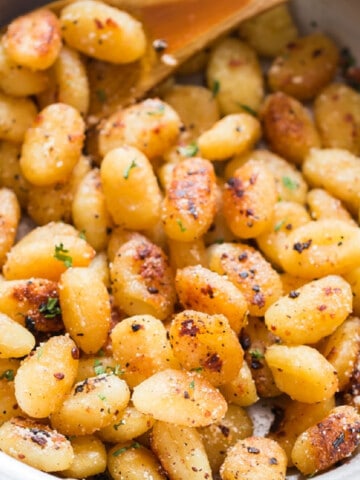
column 253, row 178
column 59, row 376
column 98, row 23
column 207, row 291
column 214, row 363
column 111, row 23
column 188, row 327
column 235, row 62
column 236, row 185
column 258, row 299
column 321, row 308
column 75, row 353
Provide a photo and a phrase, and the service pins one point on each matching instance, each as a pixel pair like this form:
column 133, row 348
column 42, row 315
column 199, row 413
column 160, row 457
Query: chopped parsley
column 181, row 226
column 128, row 169
column 101, row 95
column 197, row 369
column 248, row 109
column 51, row 308
column 215, row 87
column 60, row 254
column 101, row 396
column 278, row 225
column 118, row 425
column 289, row 183
column 100, row 369
column 256, row 354
column 189, row 150
column 124, row 449
column 82, row 235
column 8, row 375
column 192, row 385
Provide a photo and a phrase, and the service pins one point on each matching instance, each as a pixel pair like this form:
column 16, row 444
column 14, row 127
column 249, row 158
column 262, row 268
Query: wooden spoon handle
column 187, row 26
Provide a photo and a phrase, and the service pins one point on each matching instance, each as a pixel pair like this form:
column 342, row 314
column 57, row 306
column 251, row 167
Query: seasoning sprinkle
column 127, row 170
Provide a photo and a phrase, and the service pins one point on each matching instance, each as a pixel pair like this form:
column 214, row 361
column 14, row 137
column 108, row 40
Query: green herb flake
column 39, row 352
column 197, row 369
column 128, row 169
column 215, row 87
column 101, row 396
column 101, row 95
column 158, row 111
column 181, row 226
column 219, row 241
column 117, row 370
column 124, row 449
column 278, row 225
column 8, row 375
column 189, row 150
column 192, row 385
column 256, row 354
column 51, row 308
column 119, row 451
column 82, row 235
column 116, row 426
column 248, row 109
column 99, row 368
column 60, row 254
column 289, row 183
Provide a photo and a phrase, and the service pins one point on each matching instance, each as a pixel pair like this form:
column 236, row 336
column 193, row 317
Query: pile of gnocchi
column 170, row 263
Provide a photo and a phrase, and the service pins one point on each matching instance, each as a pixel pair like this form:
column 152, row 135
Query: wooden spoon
column 176, row 29
column 185, row 27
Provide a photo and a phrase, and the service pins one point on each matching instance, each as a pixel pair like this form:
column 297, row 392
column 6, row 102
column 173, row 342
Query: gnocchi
column 170, row 263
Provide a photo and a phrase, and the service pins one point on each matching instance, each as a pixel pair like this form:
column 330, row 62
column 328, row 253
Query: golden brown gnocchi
column 168, row 262
column 34, row 40
column 288, row 127
column 305, row 66
column 102, row 31
column 233, row 73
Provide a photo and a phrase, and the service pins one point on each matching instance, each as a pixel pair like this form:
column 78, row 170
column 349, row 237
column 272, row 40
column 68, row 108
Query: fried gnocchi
column 172, row 264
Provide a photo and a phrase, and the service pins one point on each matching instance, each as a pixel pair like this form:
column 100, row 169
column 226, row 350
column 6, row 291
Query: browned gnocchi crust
column 288, row 127
column 193, row 339
column 332, row 439
column 36, row 444
column 34, row 40
column 249, row 198
column 171, row 264
column 306, row 65
column 142, row 280
column 190, row 200
column 249, row 271
column 199, row 288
